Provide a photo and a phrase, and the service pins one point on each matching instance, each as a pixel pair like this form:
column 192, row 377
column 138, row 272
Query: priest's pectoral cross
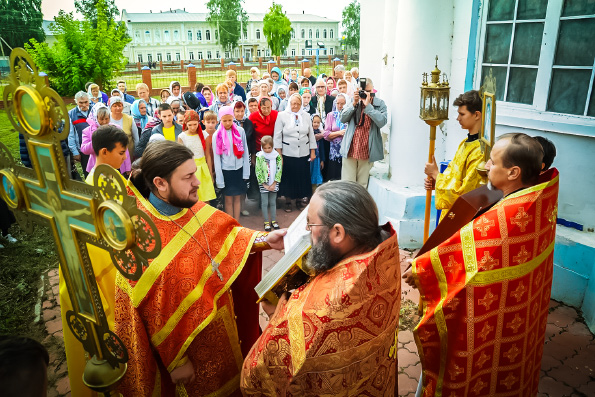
column 215, row 266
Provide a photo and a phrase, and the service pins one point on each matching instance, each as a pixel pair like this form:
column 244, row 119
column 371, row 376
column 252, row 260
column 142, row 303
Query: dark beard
column 180, row 202
column 322, row 256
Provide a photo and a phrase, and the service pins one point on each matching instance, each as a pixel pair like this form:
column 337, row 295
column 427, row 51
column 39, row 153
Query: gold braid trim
column 260, row 242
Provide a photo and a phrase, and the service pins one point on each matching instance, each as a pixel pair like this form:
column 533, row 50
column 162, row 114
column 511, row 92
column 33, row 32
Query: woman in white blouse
column 294, row 140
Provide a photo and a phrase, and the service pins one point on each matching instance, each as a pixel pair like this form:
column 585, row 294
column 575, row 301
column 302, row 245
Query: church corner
column 413, row 33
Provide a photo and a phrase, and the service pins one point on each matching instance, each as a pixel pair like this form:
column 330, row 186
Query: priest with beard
column 336, row 334
column 185, row 330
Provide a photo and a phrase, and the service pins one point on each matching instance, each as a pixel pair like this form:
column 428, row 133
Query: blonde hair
column 231, row 72
column 254, row 69
column 93, row 86
column 210, row 115
column 266, row 140
column 221, row 87
column 229, row 83
column 142, row 85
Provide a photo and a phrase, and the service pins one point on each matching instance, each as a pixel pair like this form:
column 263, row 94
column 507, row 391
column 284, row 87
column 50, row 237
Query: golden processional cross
column 78, row 214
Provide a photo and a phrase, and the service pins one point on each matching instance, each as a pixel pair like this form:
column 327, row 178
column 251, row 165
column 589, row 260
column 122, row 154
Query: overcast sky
column 329, row 9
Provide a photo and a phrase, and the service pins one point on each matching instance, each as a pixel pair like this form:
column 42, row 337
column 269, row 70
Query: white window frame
column 303, row 33
column 208, row 35
column 199, row 35
column 258, row 53
column 178, row 57
column 331, row 34
column 189, row 34
column 191, row 55
column 199, row 55
column 176, row 33
column 332, row 50
column 137, row 36
column 159, row 57
column 324, row 33
column 166, row 36
column 148, row 38
column 157, row 36
column 217, row 55
column 168, row 57
column 536, row 116
column 209, row 55
column 293, row 52
column 258, row 34
column 139, row 57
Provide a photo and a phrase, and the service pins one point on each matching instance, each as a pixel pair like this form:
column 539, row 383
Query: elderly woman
column 95, row 94
column 222, row 92
column 294, row 140
column 123, row 121
column 264, row 121
column 334, row 131
column 139, row 113
column 117, row 92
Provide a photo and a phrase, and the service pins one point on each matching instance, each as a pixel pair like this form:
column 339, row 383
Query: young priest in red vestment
column 185, row 331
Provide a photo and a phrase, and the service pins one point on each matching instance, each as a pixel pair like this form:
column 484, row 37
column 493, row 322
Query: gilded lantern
column 434, row 96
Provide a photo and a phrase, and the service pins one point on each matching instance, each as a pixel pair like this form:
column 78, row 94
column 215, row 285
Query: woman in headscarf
column 277, row 79
column 306, row 95
column 265, row 88
column 255, row 78
column 124, row 121
column 305, row 83
column 95, row 94
column 293, row 76
column 330, row 85
column 264, row 121
column 208, row 94
column 222, row 92
column 117, row 92
column 175, row 89
column 164, row 94
column 138, row 111
column 334, row 130
column 294, row 140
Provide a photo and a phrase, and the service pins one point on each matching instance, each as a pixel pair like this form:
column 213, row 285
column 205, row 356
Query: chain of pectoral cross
column 207, row 251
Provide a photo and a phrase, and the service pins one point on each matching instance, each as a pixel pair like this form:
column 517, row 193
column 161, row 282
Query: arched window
column 190, row 35
column 199, row 35
column 257, row 34
column 176, row 35
column 309, row 33
column 324, row 34
column 147, row 36
column 317, row 33
column 166, row 38
column 303, row 33
column 208, row 35
column 332, row 34
column 157, row 36
column 137, row 36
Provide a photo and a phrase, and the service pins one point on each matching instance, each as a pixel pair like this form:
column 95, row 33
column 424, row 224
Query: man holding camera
column 362, row 143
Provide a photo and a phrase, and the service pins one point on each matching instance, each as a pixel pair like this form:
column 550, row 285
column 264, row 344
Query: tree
column 88, row 9
column 277, row 29
column 230, row 19
column 20, row 20
column 351, row 24
column 81, row 52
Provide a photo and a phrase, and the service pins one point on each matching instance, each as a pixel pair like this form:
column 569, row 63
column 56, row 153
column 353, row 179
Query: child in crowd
column 210, row 122
column 317, row 165
column 293, row 89
column 208, row 94
column 175, row 89
column 110, row 147
column 98, row 116
column 164, row 94
column 142, row 90
column 268, row 173
column 232, row 161
column 193, row 138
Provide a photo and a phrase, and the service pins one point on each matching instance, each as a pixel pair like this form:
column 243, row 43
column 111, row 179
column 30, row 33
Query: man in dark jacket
column 167, row 122
column 323, row 105
column 78, row 122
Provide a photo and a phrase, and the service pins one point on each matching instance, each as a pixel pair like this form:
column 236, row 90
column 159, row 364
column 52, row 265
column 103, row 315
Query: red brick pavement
column 569, row 354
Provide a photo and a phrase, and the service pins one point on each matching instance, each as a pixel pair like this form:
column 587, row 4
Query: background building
column 176, row 34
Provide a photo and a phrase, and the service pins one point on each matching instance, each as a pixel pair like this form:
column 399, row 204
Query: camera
column 362, row 84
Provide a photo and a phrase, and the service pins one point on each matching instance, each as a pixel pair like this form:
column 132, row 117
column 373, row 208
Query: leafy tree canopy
column 88, row 8
column 81, row 52
column 231, row 20
column 277, row 29
column 20, row 20
column 351, row 24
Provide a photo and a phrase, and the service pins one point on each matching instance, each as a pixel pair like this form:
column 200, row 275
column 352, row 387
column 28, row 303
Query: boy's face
column 175, row 90
column 238, row 113
column 167, row 116
column 227, row 121
column 210, row 125
column 115, row 157
column 122, row 87
column 253, row 107
column 467, row 119
column 143, row 93
column 233, row 78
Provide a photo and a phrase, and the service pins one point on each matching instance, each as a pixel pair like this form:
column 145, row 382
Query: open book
column 287, row 274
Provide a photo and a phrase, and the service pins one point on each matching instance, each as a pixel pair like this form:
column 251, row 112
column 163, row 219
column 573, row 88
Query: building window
column 217, row 55
column 216, row 35
column 159, row 57
column 168, row 56
column 166, row 36
column 157, row 36
column 303, row 33
column 137, row 36
column 317, row 33
column 199, row 55
column 258, row 53
column 268, row 53
column 209, row 53
column 178, row 56
column 293, row 52
column 147, row 36
column 324, row 34
column 257, row 34
column 309, row 52
column 303, row 52
column 198, row 35
column 190, row 35
column 543, row 63
column 208, row 35
column 236, row 53
column 226, row 54
column 292, row 34
column 309, row 33
column 332, row 35
column 285, row 53
column 332, row 50
column 246, row 35
column 140, row 58
column 191, row 55
column 176, row 35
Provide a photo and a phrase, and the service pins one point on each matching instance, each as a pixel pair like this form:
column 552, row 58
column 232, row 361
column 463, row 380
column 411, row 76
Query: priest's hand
column 275, row 239
column 184, row 374
column 431, row 169
column 429, row 183
column 408, row 277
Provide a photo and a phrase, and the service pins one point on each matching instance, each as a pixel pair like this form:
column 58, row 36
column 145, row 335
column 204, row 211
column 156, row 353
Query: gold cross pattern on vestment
column 77, row 214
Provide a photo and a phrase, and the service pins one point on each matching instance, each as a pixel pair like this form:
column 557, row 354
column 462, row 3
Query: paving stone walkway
column 568, row 366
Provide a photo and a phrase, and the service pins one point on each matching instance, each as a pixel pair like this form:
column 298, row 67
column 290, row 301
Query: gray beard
column 322, row 256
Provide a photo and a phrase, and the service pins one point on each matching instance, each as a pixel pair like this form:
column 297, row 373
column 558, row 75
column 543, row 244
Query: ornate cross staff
column 78, row 214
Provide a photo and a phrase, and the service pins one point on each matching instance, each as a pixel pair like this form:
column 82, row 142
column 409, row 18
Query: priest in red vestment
column 336, row 334
column 184, row 331
column 485, row 291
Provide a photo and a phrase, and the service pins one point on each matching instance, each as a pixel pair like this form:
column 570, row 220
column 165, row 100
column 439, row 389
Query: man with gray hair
column 355, row 73
column 336, row 334
column 78, row 122
column 339, row 71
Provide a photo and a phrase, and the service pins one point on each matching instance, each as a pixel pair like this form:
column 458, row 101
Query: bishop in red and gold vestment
column 336, row 335
column 181, row 311
column 485, row 293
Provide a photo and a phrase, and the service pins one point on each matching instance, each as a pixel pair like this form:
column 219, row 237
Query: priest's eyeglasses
column 309, row 226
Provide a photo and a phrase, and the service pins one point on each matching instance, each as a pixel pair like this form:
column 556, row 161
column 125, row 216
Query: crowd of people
column 321, row 128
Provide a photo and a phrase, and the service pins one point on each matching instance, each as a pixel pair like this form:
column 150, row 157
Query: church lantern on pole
column 433, row 110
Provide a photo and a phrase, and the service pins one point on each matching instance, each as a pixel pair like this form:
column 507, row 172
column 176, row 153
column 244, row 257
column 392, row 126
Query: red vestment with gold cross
column 485, row 295
column 181, row 310
column 336, row 336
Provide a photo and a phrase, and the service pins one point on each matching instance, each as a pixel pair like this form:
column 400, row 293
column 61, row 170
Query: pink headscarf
column 222, row 141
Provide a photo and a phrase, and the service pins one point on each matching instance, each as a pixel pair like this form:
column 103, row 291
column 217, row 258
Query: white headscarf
column 171, row 90
column 295, row 115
